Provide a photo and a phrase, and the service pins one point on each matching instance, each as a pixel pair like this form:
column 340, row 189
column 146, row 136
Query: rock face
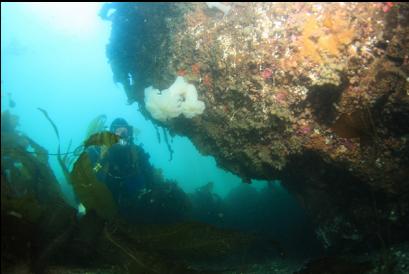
column 314, row 94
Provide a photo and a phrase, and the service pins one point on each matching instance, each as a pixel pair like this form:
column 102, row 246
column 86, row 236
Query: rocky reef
column 313, row 94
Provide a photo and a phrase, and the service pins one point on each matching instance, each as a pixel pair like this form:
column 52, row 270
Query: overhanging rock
column 314, row 94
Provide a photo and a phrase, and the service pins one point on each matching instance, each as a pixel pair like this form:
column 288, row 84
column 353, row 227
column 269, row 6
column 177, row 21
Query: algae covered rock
column 314, row 94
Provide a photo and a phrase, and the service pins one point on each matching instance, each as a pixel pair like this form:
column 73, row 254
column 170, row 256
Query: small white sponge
column 179, row 98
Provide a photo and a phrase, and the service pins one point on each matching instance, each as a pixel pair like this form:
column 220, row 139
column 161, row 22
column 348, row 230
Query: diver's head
column 121, row 128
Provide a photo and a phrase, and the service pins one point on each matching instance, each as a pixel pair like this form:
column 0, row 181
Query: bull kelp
column 173, row 246
column 29, row 190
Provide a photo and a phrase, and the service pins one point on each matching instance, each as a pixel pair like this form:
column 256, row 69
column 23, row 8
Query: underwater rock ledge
column 314, row 94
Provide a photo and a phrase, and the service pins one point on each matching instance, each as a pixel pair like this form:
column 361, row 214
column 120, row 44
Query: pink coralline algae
column 387, row 7
column 267, row 73
column 304, row 130
column 281, row 97
column 347, row 143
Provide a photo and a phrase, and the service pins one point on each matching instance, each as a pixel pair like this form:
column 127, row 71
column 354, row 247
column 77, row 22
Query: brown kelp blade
column 91, row 192
column 60, row 160
column 51, row 122
column 106, row 138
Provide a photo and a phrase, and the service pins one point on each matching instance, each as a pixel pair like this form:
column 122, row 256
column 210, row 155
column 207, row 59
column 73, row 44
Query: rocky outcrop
column 314, row 94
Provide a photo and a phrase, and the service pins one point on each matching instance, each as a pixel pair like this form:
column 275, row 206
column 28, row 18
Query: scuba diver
column 120, row 167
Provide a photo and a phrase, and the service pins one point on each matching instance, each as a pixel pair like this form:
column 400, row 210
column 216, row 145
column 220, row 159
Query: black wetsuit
column 120, row 169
